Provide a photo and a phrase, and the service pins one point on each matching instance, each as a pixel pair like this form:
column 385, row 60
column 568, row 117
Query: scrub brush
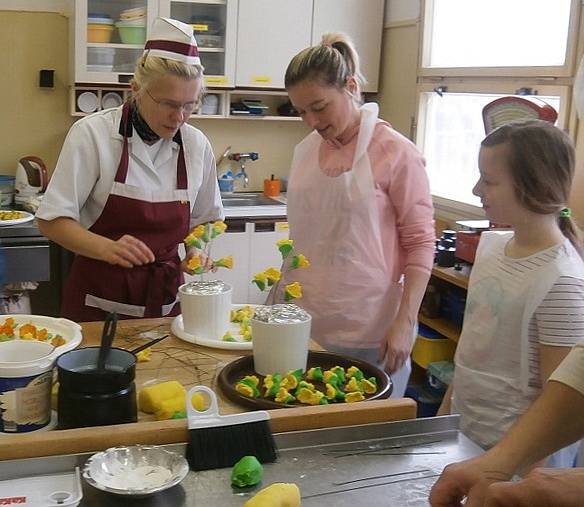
column 218, row 441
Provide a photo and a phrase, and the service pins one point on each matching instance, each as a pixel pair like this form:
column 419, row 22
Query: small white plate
column 27, row 217
column 110, row 100
column 178, row 330
column 87, row 102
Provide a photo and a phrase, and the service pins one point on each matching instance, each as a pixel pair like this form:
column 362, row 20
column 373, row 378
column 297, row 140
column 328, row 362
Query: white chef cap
column 172, row 40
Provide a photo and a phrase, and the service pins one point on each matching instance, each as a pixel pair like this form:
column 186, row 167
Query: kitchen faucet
column 242, row 158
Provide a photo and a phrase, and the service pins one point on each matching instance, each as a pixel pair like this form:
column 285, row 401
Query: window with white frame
column 450, row 132
column 473, row 52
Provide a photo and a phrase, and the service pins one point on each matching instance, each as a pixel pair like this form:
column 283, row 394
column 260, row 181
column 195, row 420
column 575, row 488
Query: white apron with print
column 491, row 388
column 335, row 222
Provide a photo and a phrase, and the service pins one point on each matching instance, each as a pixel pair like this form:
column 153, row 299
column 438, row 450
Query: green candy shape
column 285, row 250
column 261, row 285
column 247, row 472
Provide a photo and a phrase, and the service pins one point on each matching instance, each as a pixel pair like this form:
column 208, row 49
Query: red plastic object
column 466, row 245
column 513, row 108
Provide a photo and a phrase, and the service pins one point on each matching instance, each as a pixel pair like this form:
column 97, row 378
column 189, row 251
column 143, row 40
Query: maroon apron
column 95, row 287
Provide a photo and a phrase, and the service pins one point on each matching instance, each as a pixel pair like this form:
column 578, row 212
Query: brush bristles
column 223, row 446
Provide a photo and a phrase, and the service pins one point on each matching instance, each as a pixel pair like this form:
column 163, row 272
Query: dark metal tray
column 236, row 370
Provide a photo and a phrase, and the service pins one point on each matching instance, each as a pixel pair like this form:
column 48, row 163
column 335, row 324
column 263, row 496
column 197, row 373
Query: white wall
column 401, row 10
column 61, row 6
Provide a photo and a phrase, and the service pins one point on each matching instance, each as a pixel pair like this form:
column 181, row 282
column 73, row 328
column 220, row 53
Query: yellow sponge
column 165, row 398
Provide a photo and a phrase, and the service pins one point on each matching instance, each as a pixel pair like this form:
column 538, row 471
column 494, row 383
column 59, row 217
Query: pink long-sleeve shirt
column 402, row 191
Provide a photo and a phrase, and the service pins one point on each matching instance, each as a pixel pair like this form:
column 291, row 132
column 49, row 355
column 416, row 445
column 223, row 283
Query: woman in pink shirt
column 359, row 208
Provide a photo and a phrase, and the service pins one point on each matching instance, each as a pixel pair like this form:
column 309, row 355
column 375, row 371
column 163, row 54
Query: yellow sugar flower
column 195, row 236
column 224, row 262
column 293, row 291
column 273, row 275
column 218, row 227
column 300, row 261
column 285, row 246
column 261, row 280
column 195, row 265
column 281, row 242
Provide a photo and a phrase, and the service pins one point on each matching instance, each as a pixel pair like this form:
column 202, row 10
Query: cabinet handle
column 265, row 226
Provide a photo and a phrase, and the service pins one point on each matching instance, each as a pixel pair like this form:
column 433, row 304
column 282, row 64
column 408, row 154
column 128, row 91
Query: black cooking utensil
column 149, row 344
column 107, row 337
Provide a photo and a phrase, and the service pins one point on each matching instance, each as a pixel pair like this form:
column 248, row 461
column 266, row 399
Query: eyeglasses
column 169, row 106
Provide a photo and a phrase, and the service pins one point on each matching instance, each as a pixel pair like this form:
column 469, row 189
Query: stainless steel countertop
column 277, row 210
column 419, row 449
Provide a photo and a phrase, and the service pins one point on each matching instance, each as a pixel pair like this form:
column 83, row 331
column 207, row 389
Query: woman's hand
column 470, row 478
column 127, row 252
column 555, row 487
column 398, row 344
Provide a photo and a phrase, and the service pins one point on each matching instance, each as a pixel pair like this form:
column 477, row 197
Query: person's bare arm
column 127, row 251
column 399, row 336
column 550, row 357
column 555, row 420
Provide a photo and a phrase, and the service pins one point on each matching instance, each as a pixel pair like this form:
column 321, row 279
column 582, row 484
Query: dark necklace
column 142, row 128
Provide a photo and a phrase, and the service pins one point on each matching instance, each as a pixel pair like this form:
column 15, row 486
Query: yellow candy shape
column 151, row 398
column 279, row 494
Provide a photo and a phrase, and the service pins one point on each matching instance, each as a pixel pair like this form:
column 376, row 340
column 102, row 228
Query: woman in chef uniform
column 359, row 208
column 130, row 182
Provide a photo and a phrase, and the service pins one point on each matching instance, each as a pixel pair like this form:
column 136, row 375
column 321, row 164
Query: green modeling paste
column 247, row 472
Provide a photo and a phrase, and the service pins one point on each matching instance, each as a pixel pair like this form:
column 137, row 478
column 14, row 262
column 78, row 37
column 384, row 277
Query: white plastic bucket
column 26, row 377
column 26, row 374
column 206, row 315
column 280, row 347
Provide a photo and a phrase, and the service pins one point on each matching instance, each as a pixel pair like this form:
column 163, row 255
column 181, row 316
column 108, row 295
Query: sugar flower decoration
column 272, row 277
column 201, row 238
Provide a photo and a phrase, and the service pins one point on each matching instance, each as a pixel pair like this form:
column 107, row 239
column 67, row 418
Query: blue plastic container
column 428, row 402
column 6, row 190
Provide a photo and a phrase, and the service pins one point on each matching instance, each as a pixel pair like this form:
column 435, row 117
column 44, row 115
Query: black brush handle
column 107, row 337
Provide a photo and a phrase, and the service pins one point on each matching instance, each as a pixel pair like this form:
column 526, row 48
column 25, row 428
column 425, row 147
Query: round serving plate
column 177, row 328
column 236, row 370
column 26, row 217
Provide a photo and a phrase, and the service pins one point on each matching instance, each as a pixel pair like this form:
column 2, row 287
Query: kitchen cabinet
column 252, row 243
column 449, row 287
column 104, row 48
column 215, row 26
column 362, row 20
column 269, row 34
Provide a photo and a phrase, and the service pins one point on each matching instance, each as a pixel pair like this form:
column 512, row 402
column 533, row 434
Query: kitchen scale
column 513, row 108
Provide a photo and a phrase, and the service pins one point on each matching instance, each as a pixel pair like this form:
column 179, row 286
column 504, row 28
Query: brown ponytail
column 331, row 62
column 571, row 230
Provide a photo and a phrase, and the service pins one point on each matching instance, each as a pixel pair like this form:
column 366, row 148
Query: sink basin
column 248, row 199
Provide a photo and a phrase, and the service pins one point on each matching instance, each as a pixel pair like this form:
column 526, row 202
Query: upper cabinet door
column 269, row 34
column 108, row 37
column 362, row 20
column 214, row 23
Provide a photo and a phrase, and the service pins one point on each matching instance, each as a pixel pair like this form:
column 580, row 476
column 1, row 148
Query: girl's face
column 330, row 111
column 495, row 186
column 167, row 103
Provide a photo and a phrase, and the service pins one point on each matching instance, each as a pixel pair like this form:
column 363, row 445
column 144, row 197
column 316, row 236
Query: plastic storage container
column 452, row 304
column 131, row 33
column 430, row 350
column 6, row 190
column 100, row 59
column 428, row 402
column 99, row 32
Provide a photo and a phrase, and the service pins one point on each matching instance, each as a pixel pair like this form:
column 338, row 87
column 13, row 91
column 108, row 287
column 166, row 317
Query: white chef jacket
column 85, row 171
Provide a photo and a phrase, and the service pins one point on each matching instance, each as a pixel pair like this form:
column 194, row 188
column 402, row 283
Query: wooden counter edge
column 83, row 440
